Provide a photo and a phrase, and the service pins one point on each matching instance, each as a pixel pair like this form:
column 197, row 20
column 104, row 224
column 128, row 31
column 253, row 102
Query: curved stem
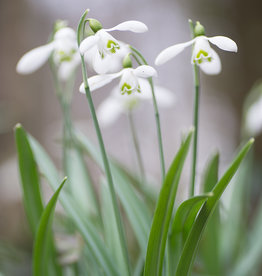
column 157, row 116
column 136, row 146
column 107, row 170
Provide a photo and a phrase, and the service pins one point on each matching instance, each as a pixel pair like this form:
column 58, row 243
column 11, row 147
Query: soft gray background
column 30, row 100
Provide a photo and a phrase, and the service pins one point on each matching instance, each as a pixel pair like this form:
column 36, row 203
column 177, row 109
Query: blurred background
column 30, row 100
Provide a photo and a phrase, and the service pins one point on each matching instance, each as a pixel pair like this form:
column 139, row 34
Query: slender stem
column 195, row 119
column 157, row 117
column 196, row 107
column 107, row 170
column 136, row 146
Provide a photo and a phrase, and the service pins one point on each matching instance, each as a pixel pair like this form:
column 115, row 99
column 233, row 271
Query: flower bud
column 95, row 25
column 127, row 62
column 199, row 29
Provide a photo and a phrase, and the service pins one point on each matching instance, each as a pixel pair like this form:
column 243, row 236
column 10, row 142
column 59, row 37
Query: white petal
column 34, row 59
column 132, row 25
column 108, row 111
column 88, row 43
column 65, row 33
column 101, row 65
column 67, row 68
column 98, row 81
column 171, row 52
column 164, row 97
column 224, row 43
column 145, row 71
column 212, row 67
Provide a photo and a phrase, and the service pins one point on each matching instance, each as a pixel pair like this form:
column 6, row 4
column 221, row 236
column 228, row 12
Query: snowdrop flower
column 65, row 55
column 117, row 104
column 129, row 82
column 104, row 43
column 108, row 64
column 203, row 55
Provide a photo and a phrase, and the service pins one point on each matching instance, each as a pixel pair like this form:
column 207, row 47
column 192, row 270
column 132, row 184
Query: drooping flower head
column 203, row 55
column 129, row 79
column 63, row 48
column 116, row 104
column 101, row 45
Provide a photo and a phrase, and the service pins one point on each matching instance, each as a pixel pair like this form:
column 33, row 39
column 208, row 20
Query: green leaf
column 191, row 245
column 42, row 257
column 182, row 223
column 80, row 183
column 136, row 210
column 84, row 226
column 163, row 212
column 210, row 243
column 110, row 227
column 29, row 179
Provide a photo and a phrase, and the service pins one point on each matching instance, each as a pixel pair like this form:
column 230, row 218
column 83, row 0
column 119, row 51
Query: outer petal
column 34, row 59
column 145, row 71
column 65, row 33
column 214, row 66
column 132, row 25
column 224, row 43
column 109, row 110
column 98, row 81
column 171, row 52
column 164, row 96
column 88, row 43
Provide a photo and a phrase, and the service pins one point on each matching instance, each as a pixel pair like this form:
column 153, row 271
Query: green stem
column 107, row 169
column 195, row 119
column 196, row 107
column 136, row 146
column 157, row 117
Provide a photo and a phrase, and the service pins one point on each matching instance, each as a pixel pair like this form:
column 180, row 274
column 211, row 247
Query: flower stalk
column 136, row 146
column 104, row 155
column 195, row 120
column 157, row 117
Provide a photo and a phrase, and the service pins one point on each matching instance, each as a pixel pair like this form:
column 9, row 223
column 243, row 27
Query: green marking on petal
column 201, row 52
column 112, row 46
column 126, row 88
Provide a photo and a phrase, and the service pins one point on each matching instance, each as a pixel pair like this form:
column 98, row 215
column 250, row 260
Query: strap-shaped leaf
column 29, row 179
column 85, row 227
column 163, row 212
column 191, row 245
column 182, row 223
column 210, row 243
column 136, row 210
column 42, row 257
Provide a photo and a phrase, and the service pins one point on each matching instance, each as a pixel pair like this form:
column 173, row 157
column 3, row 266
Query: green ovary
column 112, row 46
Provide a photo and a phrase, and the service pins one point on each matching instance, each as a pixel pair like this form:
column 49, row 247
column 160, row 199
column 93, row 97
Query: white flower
column 116, row 104
column 129, row 82
column 203, row 55
column 106, row 45
column 253, row 120
column 65, row 53
column 108, row 64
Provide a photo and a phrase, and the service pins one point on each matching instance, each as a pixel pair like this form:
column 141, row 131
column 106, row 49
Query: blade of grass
column 210, row 243
column 29, row 178
column 163, row 212
column 85, row 227
column 42, row 257
column 136, row 210
column 182, row 223
column 191, row 244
